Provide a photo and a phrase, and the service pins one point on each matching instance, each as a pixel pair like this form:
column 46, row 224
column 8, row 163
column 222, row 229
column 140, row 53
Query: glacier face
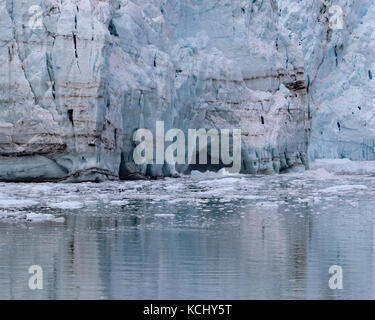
column 183, row 65
column 76, row 87
column 339, row 68
column 53, row 119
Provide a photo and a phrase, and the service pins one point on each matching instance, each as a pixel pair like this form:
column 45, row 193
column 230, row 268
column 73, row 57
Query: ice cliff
column 78, row 77
column 337, row 37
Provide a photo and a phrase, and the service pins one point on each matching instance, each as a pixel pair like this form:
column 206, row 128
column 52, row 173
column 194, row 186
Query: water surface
column 199, row 237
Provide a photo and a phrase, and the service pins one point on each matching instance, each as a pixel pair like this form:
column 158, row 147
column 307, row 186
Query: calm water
column 200, row 237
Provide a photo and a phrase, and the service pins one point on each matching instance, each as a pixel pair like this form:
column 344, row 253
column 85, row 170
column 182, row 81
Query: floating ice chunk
column 207, row 174
column 268, row 204
column 8, row 216
column 165, row 215
column 17, row 203
column 317, row 200
column 171, row 201
column 38, row 217
column 305, row 200
column 344, row 188
column 42, row 188
column 211, row 174
column 225, row 172
column 119, row 202
column 66, row 205
column 220, row 182
column 173, row 187
column 354, row 204
column 344, row 166
column 320, row 173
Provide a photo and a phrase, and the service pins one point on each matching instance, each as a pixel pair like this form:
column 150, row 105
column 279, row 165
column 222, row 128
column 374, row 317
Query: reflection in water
column 217, row 238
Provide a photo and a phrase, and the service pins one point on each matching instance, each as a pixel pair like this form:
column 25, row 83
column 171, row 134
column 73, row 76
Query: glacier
column 339, row 64
column 79, row 77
